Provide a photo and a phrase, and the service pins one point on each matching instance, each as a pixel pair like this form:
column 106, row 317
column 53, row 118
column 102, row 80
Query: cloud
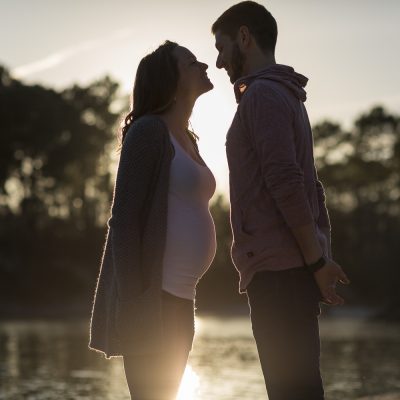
column 61, row 56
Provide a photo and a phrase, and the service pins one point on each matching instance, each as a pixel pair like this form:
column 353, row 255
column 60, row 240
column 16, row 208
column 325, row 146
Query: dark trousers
column 157, row 376
column 284, row 314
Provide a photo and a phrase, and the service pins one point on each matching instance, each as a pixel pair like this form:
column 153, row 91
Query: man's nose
column 219, row 64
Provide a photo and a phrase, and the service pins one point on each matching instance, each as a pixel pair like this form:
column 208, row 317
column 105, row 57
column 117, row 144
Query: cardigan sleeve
column 138, row 163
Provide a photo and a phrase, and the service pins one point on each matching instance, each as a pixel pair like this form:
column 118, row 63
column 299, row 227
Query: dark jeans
column 157, row 376
column 284, row 315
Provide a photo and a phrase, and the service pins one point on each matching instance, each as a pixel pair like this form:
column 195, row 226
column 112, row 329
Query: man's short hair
column 257, row 18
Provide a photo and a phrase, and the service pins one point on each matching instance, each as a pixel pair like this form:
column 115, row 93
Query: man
column 280, row 224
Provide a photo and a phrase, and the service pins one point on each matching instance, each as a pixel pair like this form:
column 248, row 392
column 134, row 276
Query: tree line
column 56, row 148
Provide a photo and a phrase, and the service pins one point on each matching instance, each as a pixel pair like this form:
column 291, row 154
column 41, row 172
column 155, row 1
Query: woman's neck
column 177, row 117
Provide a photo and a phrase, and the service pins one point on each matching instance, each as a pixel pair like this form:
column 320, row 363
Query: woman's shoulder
column 148, row 127
column 146, row 135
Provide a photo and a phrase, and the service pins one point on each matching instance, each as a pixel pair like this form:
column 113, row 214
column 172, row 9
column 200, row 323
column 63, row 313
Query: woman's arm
column 139, row 158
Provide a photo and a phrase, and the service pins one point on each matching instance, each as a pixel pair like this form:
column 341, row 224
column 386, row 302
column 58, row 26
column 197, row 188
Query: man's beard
column 237, row 62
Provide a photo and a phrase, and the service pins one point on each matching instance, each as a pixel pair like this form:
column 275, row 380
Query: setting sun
column 189, row 385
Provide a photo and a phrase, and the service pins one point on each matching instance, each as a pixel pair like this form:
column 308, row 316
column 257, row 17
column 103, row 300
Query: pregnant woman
column 161, row 236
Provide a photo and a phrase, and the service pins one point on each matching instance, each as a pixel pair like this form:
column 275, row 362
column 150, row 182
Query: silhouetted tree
column 218, row 290
column 361, row 171
column 54, row 184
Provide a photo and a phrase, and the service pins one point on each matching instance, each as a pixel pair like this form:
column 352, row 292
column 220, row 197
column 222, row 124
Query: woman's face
column 193, row 79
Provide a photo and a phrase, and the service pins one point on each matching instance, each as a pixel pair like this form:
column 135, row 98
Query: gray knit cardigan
column 127, row 313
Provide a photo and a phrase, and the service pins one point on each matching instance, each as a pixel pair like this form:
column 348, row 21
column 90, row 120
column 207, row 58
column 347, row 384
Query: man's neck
column 257, row 62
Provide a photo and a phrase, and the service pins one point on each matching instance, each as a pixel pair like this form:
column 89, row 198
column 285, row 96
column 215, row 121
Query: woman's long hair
column 155, row 86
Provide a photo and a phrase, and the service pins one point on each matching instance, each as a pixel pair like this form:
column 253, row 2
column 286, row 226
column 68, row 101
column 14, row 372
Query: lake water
column 50, row 361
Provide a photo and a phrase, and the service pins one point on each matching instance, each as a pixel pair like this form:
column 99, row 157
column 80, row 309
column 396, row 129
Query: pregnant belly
column 190, row 242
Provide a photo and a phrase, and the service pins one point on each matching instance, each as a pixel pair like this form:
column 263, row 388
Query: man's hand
column 327, row 277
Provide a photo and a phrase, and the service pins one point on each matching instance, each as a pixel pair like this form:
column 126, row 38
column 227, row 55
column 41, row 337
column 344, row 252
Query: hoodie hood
column 279, row 73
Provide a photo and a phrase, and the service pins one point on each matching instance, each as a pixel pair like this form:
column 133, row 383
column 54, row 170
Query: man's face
column 229, row 56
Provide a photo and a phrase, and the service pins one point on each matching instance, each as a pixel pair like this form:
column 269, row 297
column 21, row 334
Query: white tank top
column 190, row 242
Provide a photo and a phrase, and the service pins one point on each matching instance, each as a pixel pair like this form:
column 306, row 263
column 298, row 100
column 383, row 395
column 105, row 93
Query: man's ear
column 243, row 37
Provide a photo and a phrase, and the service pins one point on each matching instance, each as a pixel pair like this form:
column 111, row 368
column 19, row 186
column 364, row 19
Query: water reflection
column 48, row 360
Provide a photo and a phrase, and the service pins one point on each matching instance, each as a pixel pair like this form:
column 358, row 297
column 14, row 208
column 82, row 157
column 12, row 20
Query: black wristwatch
column 314, row 267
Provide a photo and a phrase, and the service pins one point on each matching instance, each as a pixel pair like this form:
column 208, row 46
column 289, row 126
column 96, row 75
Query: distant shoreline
column 75, row 310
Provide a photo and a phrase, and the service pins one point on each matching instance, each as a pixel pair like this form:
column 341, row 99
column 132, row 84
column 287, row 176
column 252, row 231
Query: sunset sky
column 349, row 49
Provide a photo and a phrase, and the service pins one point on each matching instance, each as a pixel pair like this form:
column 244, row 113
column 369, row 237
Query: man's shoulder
column 263, row 93
column 264, row 89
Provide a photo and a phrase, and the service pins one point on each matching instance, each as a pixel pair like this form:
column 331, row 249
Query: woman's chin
column 206, row 88
column 209, row 86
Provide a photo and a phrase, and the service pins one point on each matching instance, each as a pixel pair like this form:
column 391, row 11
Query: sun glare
column 189, row 385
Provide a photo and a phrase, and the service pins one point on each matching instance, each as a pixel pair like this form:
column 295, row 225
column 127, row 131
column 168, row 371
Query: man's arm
column 323, row 220
column 268, row 119
column 330, row 274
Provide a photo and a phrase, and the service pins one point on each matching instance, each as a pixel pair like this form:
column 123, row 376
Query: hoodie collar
column 277, row 72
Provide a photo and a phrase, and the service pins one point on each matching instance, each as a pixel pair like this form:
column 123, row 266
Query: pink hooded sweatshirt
column 273, row 181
